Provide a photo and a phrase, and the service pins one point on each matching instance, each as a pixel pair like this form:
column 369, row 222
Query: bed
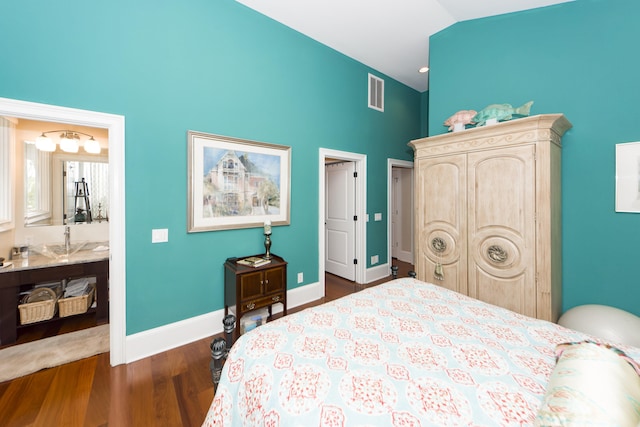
column 405, row 353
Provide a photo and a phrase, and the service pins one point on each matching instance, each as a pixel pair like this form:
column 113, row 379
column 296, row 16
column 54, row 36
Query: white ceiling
column 391, row 36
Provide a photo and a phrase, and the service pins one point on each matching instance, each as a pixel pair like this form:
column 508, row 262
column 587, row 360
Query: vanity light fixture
column 69, row 142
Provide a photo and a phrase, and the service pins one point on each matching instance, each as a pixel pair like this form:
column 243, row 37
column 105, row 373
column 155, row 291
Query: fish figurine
column 501, row 112
column 463, row 116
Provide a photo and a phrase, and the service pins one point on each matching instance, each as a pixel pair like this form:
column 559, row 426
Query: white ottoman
column 607, row 323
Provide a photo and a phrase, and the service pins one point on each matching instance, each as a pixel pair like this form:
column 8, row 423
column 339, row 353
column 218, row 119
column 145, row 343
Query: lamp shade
column 92, row 146
column 68, row 144
column 44, row 143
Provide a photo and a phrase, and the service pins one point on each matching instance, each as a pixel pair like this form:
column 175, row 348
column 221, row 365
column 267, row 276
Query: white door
column 340, row 225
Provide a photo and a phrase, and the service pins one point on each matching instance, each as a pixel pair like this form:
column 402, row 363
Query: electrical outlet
column 374, row 259
column 377, row 216
column 159, row 235
column 300, row 277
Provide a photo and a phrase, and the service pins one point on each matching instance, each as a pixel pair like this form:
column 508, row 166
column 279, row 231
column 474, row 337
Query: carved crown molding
column 534, row 129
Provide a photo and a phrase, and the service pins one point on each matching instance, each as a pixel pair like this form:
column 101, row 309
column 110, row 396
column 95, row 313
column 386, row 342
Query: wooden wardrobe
column 488, row 213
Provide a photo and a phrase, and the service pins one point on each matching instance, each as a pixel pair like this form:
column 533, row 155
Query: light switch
column 377, row 216
column 159, row 235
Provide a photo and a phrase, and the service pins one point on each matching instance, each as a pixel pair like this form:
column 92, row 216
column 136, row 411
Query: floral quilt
column 404, row 353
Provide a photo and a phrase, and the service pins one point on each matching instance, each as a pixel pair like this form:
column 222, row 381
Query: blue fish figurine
column 501, row 112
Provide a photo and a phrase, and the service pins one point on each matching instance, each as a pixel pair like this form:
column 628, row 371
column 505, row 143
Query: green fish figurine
column 501, row 112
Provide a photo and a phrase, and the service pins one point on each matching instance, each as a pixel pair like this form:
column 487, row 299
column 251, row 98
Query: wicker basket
column 76, row 305
column 32, row 312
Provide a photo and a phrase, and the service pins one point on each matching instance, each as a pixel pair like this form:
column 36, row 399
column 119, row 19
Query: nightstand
column 250, row 288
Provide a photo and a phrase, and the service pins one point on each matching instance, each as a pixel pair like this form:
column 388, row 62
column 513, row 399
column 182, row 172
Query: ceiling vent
column 376, row 93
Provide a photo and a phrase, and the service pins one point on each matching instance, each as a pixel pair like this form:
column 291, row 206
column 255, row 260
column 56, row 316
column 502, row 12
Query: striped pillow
column 591, row 385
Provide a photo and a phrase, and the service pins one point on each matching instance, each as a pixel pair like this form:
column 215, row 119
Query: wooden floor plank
column 140, row 393
column 190, row 384
column 173, row 388
column 167, row 410
column 119, row 413
column 22, row 401
column 66, row 401
column 100, row 398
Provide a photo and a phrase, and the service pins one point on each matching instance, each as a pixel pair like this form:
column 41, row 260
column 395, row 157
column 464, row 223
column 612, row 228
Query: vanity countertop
column 41, row 261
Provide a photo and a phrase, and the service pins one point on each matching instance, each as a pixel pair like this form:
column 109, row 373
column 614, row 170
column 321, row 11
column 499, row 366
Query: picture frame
column 236, row 183
column 628, row 177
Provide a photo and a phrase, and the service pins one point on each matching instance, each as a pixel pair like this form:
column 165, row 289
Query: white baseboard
column 378, row 272
column 405, row 256
column 164, row 338
column 156, row 340
column 302, row 295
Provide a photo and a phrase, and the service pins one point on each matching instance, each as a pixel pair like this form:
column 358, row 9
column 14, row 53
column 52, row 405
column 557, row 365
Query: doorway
column 359, row 163
column 400, row 210
column 115, row 127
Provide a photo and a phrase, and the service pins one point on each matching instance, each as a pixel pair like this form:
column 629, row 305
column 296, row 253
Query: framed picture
column 628, row 177
column 235, row 183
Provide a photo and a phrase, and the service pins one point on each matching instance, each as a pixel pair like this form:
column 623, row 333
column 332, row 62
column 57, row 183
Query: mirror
column 85, row 191
column 80, row 192
column 62, row 188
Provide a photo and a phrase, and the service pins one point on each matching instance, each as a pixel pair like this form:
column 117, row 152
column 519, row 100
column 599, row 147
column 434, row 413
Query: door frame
column 391, row 163
column 117, row 257
column 360, row 161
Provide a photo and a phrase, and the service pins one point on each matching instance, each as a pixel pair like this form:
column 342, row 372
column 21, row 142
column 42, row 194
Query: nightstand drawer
column 262, row 302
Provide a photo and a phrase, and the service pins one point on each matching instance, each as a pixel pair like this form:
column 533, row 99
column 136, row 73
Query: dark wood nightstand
column 250, row 288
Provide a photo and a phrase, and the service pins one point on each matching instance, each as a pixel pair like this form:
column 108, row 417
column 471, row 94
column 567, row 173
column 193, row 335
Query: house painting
column 238, row 186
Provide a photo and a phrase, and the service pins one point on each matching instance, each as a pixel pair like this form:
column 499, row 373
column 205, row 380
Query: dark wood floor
column 169, row 389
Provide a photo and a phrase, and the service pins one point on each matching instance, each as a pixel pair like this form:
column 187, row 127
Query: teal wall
column 212, row 66
column 580, row 59
column 424, row 114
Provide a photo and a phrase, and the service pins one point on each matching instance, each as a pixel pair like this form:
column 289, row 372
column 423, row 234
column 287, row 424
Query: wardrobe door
column 501, row 226
column 441, row 212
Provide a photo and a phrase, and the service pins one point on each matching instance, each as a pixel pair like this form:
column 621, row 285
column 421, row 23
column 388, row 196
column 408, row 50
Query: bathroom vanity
column 37, row 269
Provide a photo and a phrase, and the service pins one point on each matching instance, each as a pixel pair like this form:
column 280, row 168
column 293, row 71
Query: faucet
column 67, row 238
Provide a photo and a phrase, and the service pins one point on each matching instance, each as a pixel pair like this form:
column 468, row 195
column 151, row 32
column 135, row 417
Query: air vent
column 376, row 93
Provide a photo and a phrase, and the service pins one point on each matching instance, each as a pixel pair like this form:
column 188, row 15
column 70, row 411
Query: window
column 37, row 188
column 7, row 142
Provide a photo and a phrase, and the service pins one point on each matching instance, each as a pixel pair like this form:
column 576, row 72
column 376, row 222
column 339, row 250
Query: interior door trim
column 117, row 262
column 360, row 161
column 391, row 163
